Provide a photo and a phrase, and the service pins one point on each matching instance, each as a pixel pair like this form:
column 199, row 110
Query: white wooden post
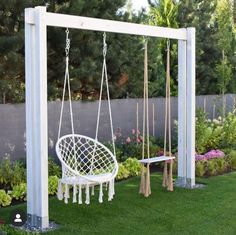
column 182, row 65
column 190, row 104
column 36, row 126
column 30, row 115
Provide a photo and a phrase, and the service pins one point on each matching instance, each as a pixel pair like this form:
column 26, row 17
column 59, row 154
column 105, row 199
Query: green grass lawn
column 207, row 211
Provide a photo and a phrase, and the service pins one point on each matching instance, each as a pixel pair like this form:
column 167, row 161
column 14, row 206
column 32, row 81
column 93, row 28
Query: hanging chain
column 104, row 45
column 67, row 49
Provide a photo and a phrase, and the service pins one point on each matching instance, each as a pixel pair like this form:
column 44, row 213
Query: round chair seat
column 85, row 159
column 90, row 179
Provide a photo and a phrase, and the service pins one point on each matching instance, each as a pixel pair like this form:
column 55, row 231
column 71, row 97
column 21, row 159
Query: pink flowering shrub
column 214, row 154
column 131, row 145
column 209, row 155
column 211, row 163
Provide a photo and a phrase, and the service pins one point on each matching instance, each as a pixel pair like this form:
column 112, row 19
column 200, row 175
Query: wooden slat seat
column 156, row 159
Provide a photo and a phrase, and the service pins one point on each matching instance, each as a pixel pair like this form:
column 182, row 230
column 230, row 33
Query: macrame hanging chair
column 145, row 187
column 85, row 161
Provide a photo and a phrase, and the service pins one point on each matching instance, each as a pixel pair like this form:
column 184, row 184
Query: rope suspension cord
column 167, row 104
column 104, row 74
column 145, row 103
column 145, row 176
column 167, row 182
column 66, row 82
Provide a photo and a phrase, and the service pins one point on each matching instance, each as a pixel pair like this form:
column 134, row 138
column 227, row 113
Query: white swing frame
column 36, row 21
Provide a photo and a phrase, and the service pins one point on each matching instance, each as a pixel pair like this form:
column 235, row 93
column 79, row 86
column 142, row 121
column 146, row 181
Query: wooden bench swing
column 145, row 187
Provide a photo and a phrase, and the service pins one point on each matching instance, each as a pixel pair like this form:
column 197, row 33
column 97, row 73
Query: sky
column 138, row 4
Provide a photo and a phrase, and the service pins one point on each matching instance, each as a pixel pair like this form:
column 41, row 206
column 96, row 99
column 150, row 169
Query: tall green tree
column 85, row 54
column 225, row 35
column 225, row 39
column 163, row 13
column 12, row 84
column 12, row 50
column 200, row 14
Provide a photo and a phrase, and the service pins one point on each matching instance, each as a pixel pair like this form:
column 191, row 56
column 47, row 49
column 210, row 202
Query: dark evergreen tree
column 199, row 14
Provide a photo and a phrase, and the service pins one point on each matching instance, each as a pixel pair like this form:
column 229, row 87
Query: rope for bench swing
column 145, row 187
column 167, row 181
column 145, row 172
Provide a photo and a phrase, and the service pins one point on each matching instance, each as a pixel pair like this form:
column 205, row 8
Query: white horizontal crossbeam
column 87, row 23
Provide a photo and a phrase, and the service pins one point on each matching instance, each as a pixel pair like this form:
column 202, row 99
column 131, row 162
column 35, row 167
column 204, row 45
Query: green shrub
column 5, row 199
column 229, row 133
column 53, row 168
column 221, row 164
column 211, row 167
column 200, row 168
column 123, row 173
column 52, row 184
column 175, row 166
column 208, row 132
column 119, row 154
column 232, row 159
column 11, row 173
column 5, row 171
column 18, row 175
column 19, row 192
column 215, row 134
column 133, row 166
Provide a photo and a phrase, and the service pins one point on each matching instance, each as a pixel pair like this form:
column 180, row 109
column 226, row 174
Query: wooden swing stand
column 37, row 20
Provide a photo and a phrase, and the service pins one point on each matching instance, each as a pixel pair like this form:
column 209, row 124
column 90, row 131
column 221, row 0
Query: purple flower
column 214, row 154
column 210, row 155
column 199, row 157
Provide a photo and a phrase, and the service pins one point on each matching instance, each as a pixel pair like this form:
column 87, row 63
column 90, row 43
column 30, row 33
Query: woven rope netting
column 85, row 156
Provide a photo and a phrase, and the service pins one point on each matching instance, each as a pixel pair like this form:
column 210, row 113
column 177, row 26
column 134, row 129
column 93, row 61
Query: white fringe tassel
column 66, row 196
column 110, row 195
column 113, row 187
column 87, row 201
column 74, row 193
column 100, row 194
column 59, row 191
column 80, row 195
column 92, row 193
